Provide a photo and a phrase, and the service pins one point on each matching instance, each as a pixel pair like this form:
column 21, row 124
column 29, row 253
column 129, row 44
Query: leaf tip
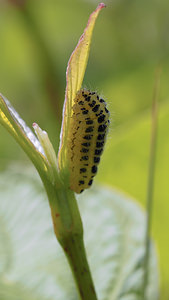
column 34, row 125
column 101, row 5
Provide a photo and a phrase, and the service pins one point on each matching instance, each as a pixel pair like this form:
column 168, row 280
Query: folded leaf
column 74, row 78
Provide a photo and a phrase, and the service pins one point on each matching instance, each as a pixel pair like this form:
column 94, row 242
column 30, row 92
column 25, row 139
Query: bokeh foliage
column 32, row 263
column 130, row 42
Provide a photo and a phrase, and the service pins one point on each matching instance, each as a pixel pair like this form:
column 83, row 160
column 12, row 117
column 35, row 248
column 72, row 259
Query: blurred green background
column 130, row 42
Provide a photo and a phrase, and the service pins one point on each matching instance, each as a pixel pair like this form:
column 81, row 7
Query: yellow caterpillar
column 86, row 138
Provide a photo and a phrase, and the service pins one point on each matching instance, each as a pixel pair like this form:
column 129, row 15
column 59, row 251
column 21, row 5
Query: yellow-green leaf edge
column 74, row 78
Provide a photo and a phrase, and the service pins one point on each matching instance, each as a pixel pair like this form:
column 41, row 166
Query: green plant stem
column 150, row 185
column 76, row 255
column 69, row 232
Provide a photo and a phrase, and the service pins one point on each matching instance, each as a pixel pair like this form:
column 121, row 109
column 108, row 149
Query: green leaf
column 32, row 264
column 74, row 78
column 11, row 120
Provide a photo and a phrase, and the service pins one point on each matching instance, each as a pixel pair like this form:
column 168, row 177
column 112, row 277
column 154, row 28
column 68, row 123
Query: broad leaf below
column 32, row 264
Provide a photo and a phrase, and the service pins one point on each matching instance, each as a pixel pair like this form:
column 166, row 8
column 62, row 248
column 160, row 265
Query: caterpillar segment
column 86, row 139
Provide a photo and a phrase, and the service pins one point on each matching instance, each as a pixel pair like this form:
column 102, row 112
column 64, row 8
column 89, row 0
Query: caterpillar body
column 87, row 135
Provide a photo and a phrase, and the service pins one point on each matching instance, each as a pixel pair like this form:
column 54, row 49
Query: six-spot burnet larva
column 86, row 138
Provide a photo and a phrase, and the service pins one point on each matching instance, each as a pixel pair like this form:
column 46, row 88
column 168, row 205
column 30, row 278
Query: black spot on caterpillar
column 84, row 150
column 87, row 134
column 100, row 144
column 101, row 137
column 96, row 159
column 94, row 169
column 88, row 137
column 90, row 182
column 86, row 144
column 98, row 151
column 83, row 170
column 96, row 108
column 89, row 122
column 101, row 118
column 89, row 129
